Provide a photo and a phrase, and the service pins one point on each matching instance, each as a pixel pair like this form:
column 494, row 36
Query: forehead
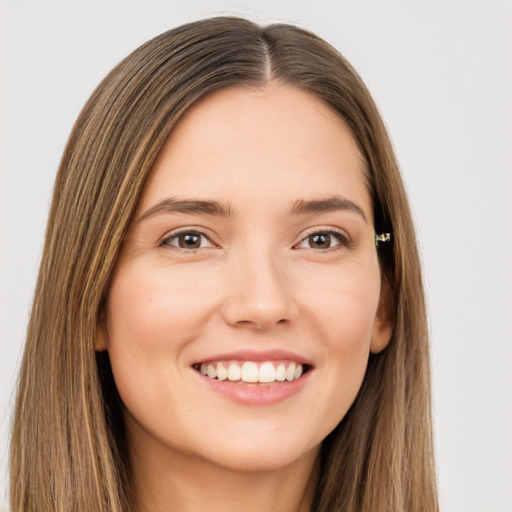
column 251, row 146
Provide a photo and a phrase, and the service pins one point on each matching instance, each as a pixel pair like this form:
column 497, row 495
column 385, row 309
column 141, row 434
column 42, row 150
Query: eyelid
column 187, row 230
column 331, row 230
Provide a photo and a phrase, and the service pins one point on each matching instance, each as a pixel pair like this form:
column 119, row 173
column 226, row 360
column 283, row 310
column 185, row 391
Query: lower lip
column 256, row 394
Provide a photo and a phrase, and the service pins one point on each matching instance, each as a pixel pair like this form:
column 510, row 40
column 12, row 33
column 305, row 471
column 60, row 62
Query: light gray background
column 441, row 73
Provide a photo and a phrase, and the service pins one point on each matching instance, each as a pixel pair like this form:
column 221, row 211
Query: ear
column 383, row 323
column 101, row 342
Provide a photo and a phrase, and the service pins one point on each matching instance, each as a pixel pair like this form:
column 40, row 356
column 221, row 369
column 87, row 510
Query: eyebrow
column 329, row 204
column 197, row 207
column 174, row 205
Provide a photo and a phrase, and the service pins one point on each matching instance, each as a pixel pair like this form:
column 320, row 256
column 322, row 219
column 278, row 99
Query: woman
column 229, row 312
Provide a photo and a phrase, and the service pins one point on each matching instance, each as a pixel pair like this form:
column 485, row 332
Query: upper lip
column 257, row 356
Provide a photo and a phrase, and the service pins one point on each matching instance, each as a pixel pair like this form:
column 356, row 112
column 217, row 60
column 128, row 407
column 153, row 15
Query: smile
column 264, row 372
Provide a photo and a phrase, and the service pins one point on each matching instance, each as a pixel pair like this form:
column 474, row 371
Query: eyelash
column 166, row 241
column 341, row 236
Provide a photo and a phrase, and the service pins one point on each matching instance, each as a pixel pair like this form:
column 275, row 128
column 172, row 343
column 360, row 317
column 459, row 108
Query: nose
column 259, row 294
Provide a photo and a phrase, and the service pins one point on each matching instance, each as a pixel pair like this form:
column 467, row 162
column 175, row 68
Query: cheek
column 152, row 316
column 343, row 318
column 151, row 319
column 344, row 314
column 155, row 309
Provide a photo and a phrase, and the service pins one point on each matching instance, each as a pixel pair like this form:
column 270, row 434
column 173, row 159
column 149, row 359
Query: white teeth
column 290, row 372
column 234, row 372
column 267, row 373
column 222, row 373
column 211, row 372
column 250, row 373
column 281, row 373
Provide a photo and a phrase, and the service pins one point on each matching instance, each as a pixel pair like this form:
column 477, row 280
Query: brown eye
column 324, row 240
column 187, row 240
column 319, row 241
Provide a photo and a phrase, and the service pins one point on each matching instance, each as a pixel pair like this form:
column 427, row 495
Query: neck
column 168, row 482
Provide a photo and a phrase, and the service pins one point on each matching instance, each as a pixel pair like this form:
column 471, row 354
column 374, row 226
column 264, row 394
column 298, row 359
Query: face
column 245, row 300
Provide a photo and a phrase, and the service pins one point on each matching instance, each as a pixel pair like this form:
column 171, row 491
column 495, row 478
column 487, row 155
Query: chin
column 262, row 460
column 258, row 452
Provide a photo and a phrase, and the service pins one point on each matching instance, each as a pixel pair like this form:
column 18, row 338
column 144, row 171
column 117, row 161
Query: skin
column 254, row 284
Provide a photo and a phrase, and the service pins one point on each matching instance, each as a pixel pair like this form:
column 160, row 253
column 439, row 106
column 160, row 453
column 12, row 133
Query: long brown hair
column 68, row 447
